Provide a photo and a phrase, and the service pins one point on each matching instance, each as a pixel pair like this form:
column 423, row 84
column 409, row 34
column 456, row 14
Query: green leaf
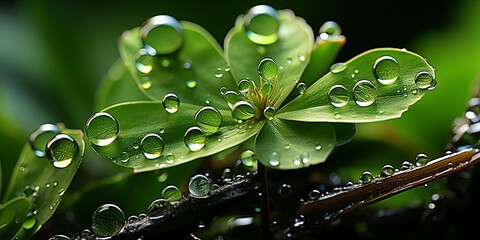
column 138, row 119
column 284, row 144
column 117, row 86
column 291, row 52
column 358, row 96
column 12, row 215
column 42, row 183
column 191, row 72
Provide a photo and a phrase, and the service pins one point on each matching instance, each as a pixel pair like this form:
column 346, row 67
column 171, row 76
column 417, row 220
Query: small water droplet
column 329, row 29
column 108, row 220
column 59, row 237
column 146, row 83
column 305, row 157
column 261, row 24
column 314, row 195
column 102, row 129
column 424, row 80
column 152, row 145
column 285, row 190
column 288, row 146
column 421, row 159
column 267, row 69
column 244, row 85
column 144, row 61
column 199, row 186
column 171, row 102
column 190, row 83
column 209, row 119
column 124, row 157
column 40, row 137
column 406, row 165
column 366, row 177
column 338, row 96
column 301, row 87
column 387, row 170
column 61, row 150
column 318, row 147
column 301, row 56
column 172, row 193
column 195, row 139
column 248, row 158
column 267, row 88
column 338, row 67
column 269, row 113
column 243, row 110
column 274, row 159
column 163, row 33
column 364, row 93
column 386, row 69
column 159, row 208
column 219, row 72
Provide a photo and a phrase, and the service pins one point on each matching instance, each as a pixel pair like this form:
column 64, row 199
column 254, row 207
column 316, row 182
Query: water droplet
column 366, row 177
column 61, row 150
column 152, row 146
column 219, row 72
column 314, row 195
column 39, row 138
column 244, row 86
column 269, row 112
column 267, row 88
column 171, row 102
column 191, row 83
column 267, row 69
column 305, row 157
column 163, row 33
column 243, row 110
column 424, row 80
column 421, row 159
column 386, row 69
column 124, row 157
column 248, row 158
column 274, row 159
column 387, row 170
column 195, row 139
column 364, row 93
column 146, row 83
column 170, row 158
column 159, row 208
column 209, row 119
column 107, row 220
column 288, row 146
column 232, row 97
column 102, row 129
column 59, row 237
column 144, row 61
column 199, row 186
column 338, row 96
column 285, row 190
column 406, row 165
column 338, row 67
column 329, row 29
column 261, row 24
column 318, row 147
column 172, row 193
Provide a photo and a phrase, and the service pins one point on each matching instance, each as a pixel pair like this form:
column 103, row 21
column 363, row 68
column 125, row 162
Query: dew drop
column 366, row 177
column 231, row 97
column 386, row 69
column 387, row 170
column 318, row 147
column 421, row 159
column 195, row 139
column 124, row 157
column 364, row 93
column 171, row 102
column 267, row 69
column 329, row 29
column 288, row 146
column 152, row 145
column 163, row 33
column 261, row 24
column 219, row 72
column 199, row 186
column 285, row 190
column 102, row 129
column 314, row 195
column 108, row 220
column 244, row 86
column 338, row 96
column 144, row 61
column 267, row 88
column 159, row 208
column 305, row 157
column 172, row 193
column 301, row 87
column 269, row 113
column 40, row 137
column 248, row 158
column 274, row 159
column 243, row 110
column 338, row 67
column 61, row 150
column 424, row 80
column 209, row 119
column 29, row 223
column 59, row 237
column 191, row 83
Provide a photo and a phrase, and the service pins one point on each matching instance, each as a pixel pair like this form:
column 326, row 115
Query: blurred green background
column 54, row 54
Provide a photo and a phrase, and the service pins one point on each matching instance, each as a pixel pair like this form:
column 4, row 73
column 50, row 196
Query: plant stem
column 264, row 198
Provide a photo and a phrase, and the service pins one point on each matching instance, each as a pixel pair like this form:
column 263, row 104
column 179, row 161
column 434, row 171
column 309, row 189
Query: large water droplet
column 158, row 208
column 364, row 93
column 199, row 186
column 421, row 159
column 366, row 177
column 274, row 159
column 261, row 24
column 243, row 110
column 424, row 80
column 329, row 29
column 108, row 220
column 40, row 137
column 171, row 102
column 163, row 33
column 386, row 69
column 387, row 170
column 209, row 119
column 267, row 69
column 244, row 85
column 152, row 145
column 338, row 67
column 61, row 150
column 195, row 139
column 172, row 193
column 102, row 129
column 248, row 158
column 338, row 96
column 269, row 113
column 144, row 61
